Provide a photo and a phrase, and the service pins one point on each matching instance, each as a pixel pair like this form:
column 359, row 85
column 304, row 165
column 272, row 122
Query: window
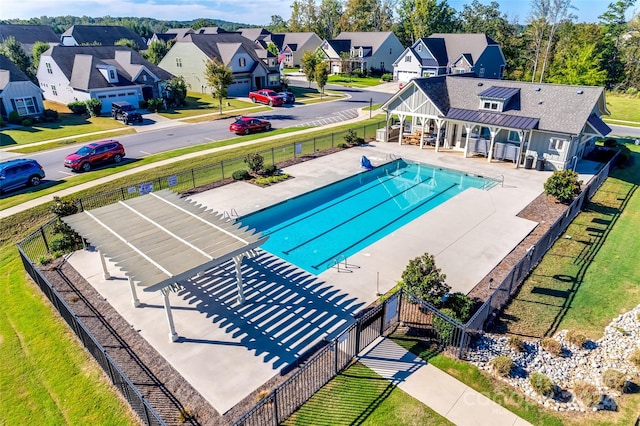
column 25, row 106
column 420, row 48
column 48, row 65
column 179, row 62
column 242, row 62
column 556, row 144
column 490, row 105
column 501, row 71
column 112, row 74
column 144, row 77
column 481, row 73
column 407, row 58
column 514, row 136
column 382, row 66
column 53, row 90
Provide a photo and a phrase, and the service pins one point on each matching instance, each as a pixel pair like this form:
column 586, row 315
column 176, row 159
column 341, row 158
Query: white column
column 105, row 273
column 519, row 155
column 438, row 128
column 173, row 336
column 422, row 120
column 402, row 118
column 238, row 261
column 466, row 143
column 494, row 133
column 387, row 129
column 134, row 294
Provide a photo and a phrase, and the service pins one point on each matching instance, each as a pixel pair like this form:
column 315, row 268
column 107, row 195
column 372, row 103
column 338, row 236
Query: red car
column 95, row 153
column 246, row 125
column 266, row 96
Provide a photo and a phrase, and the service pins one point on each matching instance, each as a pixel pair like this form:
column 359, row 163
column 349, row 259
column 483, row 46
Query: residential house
column 254, row 34
column 107, row 73
column 440, row 54
column 362, row 50
column 28, row 35
column 100, row 35
column 17, row 92
column 556, row 125
column 173, row 34
column 187, row 58
column 292, row 46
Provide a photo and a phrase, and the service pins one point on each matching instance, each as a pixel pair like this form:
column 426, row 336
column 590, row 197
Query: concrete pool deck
column 226, row 350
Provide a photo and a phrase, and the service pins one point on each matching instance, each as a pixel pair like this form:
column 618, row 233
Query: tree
column 564, row 185
column 271, row 47
column 219, row 77
column 321, row 75
column 176, row 91
column 309, row 61
column 558, row 12
column 329, row 13
column 38, row 48
column 631, row 54
column 367, row 15
column 202, row 23
column 277, row 24
column 156, row 51
column 12, row 49
column 129, row 43
column 614, row 29
column 295, row 21
column 422, row 278
column 578, row 57
column 421, row 18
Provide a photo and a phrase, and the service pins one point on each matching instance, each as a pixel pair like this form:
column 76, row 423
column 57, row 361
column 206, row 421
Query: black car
column 289, row 97
column 125, row 112
column 17, row 173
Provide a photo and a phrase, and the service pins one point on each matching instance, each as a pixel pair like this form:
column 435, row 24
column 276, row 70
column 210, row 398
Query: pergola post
column 439, row 124
column 134, row 294
column 402, row 118
column 238, row 262
column 466, row 143
column 422, row 121
column 494, row 132
column 173, row 336
column 387, row 127
column 105, row 273
column 522, row 135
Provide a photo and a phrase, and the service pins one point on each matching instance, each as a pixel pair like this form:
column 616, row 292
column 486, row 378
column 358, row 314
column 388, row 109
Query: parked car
column 246, row 125
column 289, row 97
column 266, row 96
column 18, row 173
column 125, row 112
column 95, row 153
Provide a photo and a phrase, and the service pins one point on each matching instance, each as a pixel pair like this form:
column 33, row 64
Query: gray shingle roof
column 80, row 65
column 253, row 34
column 373, row 39
column 460, row 44
column 29, row 34
column 13, row 73
column 222, row 46
column 105, row 35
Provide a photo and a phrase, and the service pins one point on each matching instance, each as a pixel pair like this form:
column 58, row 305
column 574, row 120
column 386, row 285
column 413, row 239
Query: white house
column 107, row 73
column 17, row 92
column 365, row 51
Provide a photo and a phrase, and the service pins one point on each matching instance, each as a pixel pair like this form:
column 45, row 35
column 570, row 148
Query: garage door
column 107, row 98
column 239, row 88
column 405, row 76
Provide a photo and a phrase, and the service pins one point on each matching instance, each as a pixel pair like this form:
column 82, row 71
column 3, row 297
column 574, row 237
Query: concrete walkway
column 439, row 391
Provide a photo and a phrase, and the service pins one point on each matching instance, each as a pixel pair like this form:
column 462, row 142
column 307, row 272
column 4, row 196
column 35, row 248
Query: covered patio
column 160, row 240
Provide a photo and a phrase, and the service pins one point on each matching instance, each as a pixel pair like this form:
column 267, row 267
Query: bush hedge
column 502, row 365
column 552, row 346
column 79, row 108
column 542, row 384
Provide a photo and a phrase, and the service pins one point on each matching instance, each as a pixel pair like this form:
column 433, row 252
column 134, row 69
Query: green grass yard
column 625, row 110
column 353, row 81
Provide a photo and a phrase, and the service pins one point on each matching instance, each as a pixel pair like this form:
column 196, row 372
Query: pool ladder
column 342, row 259
column 230, row 215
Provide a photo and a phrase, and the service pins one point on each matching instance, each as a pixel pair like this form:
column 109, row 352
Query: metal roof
column 159, row 239
column 493, row 118
column 497, row 92
column 599, row 125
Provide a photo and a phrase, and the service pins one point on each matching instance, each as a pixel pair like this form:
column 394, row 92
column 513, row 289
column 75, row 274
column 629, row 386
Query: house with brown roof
column 363, row 50
column 17, row 92
column 441, row 54
column 292, row 46
column 247, row 60
column 107, row 73
column 99, row 35
column 28, row 35
column 554, row 124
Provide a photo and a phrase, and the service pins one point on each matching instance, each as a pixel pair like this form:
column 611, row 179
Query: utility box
column 528, row 162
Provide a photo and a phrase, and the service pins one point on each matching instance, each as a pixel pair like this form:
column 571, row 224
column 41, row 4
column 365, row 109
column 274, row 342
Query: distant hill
column 143, row 26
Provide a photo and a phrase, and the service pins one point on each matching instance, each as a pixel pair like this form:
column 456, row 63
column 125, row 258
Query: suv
column 17, row 173
column 94, row 153
column 126, row 112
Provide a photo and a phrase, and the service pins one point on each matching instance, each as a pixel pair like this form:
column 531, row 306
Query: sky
column 256, row 12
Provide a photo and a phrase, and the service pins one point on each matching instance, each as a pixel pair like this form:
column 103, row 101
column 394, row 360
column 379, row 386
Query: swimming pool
column 316, row 229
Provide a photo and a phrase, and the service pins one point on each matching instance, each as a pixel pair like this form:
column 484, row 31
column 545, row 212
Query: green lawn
column 352, row 81
column 358, row 396
column 623, row 109
column 591, row 275
column 46, row 377
column 199, row 104
column 26, row 149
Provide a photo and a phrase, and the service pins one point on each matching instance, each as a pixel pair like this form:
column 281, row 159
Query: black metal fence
column 136, row 400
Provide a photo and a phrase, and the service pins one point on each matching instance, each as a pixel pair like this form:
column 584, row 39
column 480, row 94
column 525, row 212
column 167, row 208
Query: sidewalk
column 436, row 389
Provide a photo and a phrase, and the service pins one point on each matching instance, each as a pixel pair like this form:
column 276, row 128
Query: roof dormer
column 109, row 72
column 497, row 98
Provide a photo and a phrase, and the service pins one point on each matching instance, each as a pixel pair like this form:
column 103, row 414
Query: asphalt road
column 143, row 144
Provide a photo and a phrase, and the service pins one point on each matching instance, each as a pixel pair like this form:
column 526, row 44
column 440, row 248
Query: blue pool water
column 334, row 222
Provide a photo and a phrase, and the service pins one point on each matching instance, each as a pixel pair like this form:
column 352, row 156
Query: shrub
column 461, row 304
column 241, row 175
column 14, row 117
column 443, row 328
column 27, row 122
column 634, row 358
column 575, row 338
column 51, row 114
column 342, row 145
column 564, row 185
column 254, row 161
column 270, row 170
column 586, row 392
column 156, row 104
column 614, row 379
column 387, row 77
column 1, row 121
column 422, row 278
column 541, row 384
column 44, row 260
column 94, row 107
column 502, row 365
column 79, row 108
column 552, row 346
column 516, row 343
column 352, row 138
column 264, row 181
column 610, row 143
column 623, row 157
column 143, row 104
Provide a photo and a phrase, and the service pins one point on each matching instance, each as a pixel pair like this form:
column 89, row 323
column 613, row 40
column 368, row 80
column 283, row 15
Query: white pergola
column 160, row 239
